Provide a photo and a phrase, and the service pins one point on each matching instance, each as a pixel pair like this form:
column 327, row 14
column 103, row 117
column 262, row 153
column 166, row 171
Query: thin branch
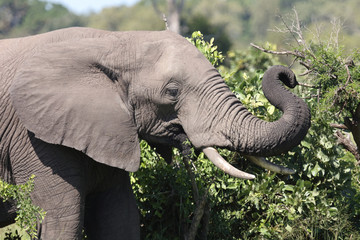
column 311, row 96
column 289, row 29
column 348, row 145
column 298, row 26
column 287, row 53
column 307, row 85
column 198, row 214
column 339, row 126
column 165, row 21
column 336, row 28
column 293, row 62
column 308, row 71
column 307, row 66
column 201, row 201
column 192, row 179
column 348, row 74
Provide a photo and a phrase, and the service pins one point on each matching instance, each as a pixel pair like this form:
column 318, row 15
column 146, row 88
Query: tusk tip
column 220, row 162
column 262, row 162
column 251, row 177
column 289, row 171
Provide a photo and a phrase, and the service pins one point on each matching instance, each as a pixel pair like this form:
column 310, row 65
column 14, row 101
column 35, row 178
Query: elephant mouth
column 174, row 135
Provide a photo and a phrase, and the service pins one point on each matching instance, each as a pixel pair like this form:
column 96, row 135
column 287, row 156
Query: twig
column 307, row 85
column 293, row 62
column 198, row 214
column 348, row 74
column 200, row 201
column 312, row 96
column 336, row 28
column 348, row 145
column 192, row 179
column 287, row 53
column 306, row 65
column 339, row 126
column 293, row 30
column 298, row 26
column 308, row 71
column 165, row 21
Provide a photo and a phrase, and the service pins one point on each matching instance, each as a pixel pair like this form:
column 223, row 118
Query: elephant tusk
column 262, row 162
column 221, row 163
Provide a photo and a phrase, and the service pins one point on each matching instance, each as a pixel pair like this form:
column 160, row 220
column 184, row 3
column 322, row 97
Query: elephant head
column 100, row 94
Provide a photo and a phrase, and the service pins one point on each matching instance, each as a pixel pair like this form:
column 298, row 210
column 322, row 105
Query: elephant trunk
column 253, row 136
column 245, row 133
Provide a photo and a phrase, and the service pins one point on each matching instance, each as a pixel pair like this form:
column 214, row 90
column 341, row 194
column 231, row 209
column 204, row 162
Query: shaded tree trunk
column 174, row 10
column 11, row 15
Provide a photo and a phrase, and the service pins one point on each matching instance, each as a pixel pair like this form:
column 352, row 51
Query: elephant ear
column 68, row 93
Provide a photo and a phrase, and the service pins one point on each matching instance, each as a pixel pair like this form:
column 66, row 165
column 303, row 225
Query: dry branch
column 166, row 22
column 192, row 179
column 307, row 85
column 339, row 126
column 348, row 145
column 200, row 201
column 198, row 214
column 287, row 53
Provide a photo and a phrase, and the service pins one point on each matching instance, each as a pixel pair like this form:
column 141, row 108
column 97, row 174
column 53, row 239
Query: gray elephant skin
column 75, row 102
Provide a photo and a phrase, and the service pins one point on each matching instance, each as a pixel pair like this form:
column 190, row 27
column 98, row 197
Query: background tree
column 138, row 17
column 172, row 13
column 27, row 17
column 11, row 14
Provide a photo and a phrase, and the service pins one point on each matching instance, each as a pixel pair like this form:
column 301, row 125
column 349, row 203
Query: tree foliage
column 233, row 24
column 28, row 17
column 138, row 17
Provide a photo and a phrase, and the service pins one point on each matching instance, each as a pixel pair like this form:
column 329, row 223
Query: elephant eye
column 173, row 92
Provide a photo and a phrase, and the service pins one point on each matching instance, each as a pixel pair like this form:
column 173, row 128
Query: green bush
column 27, row 214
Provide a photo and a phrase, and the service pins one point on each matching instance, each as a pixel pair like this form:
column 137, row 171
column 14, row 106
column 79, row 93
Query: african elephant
column 75, row 102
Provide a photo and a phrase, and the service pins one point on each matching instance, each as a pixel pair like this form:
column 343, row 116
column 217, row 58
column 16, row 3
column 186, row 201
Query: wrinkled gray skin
column 75, row 102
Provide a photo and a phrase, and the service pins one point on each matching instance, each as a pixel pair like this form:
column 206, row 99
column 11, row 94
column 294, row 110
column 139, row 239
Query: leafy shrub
column 27, row 214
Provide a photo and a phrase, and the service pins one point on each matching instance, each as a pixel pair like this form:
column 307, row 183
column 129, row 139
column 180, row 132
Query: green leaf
column 289, row 228
column 315, row 171
column 306, row 144
column 289, row 188
column 271, row 109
